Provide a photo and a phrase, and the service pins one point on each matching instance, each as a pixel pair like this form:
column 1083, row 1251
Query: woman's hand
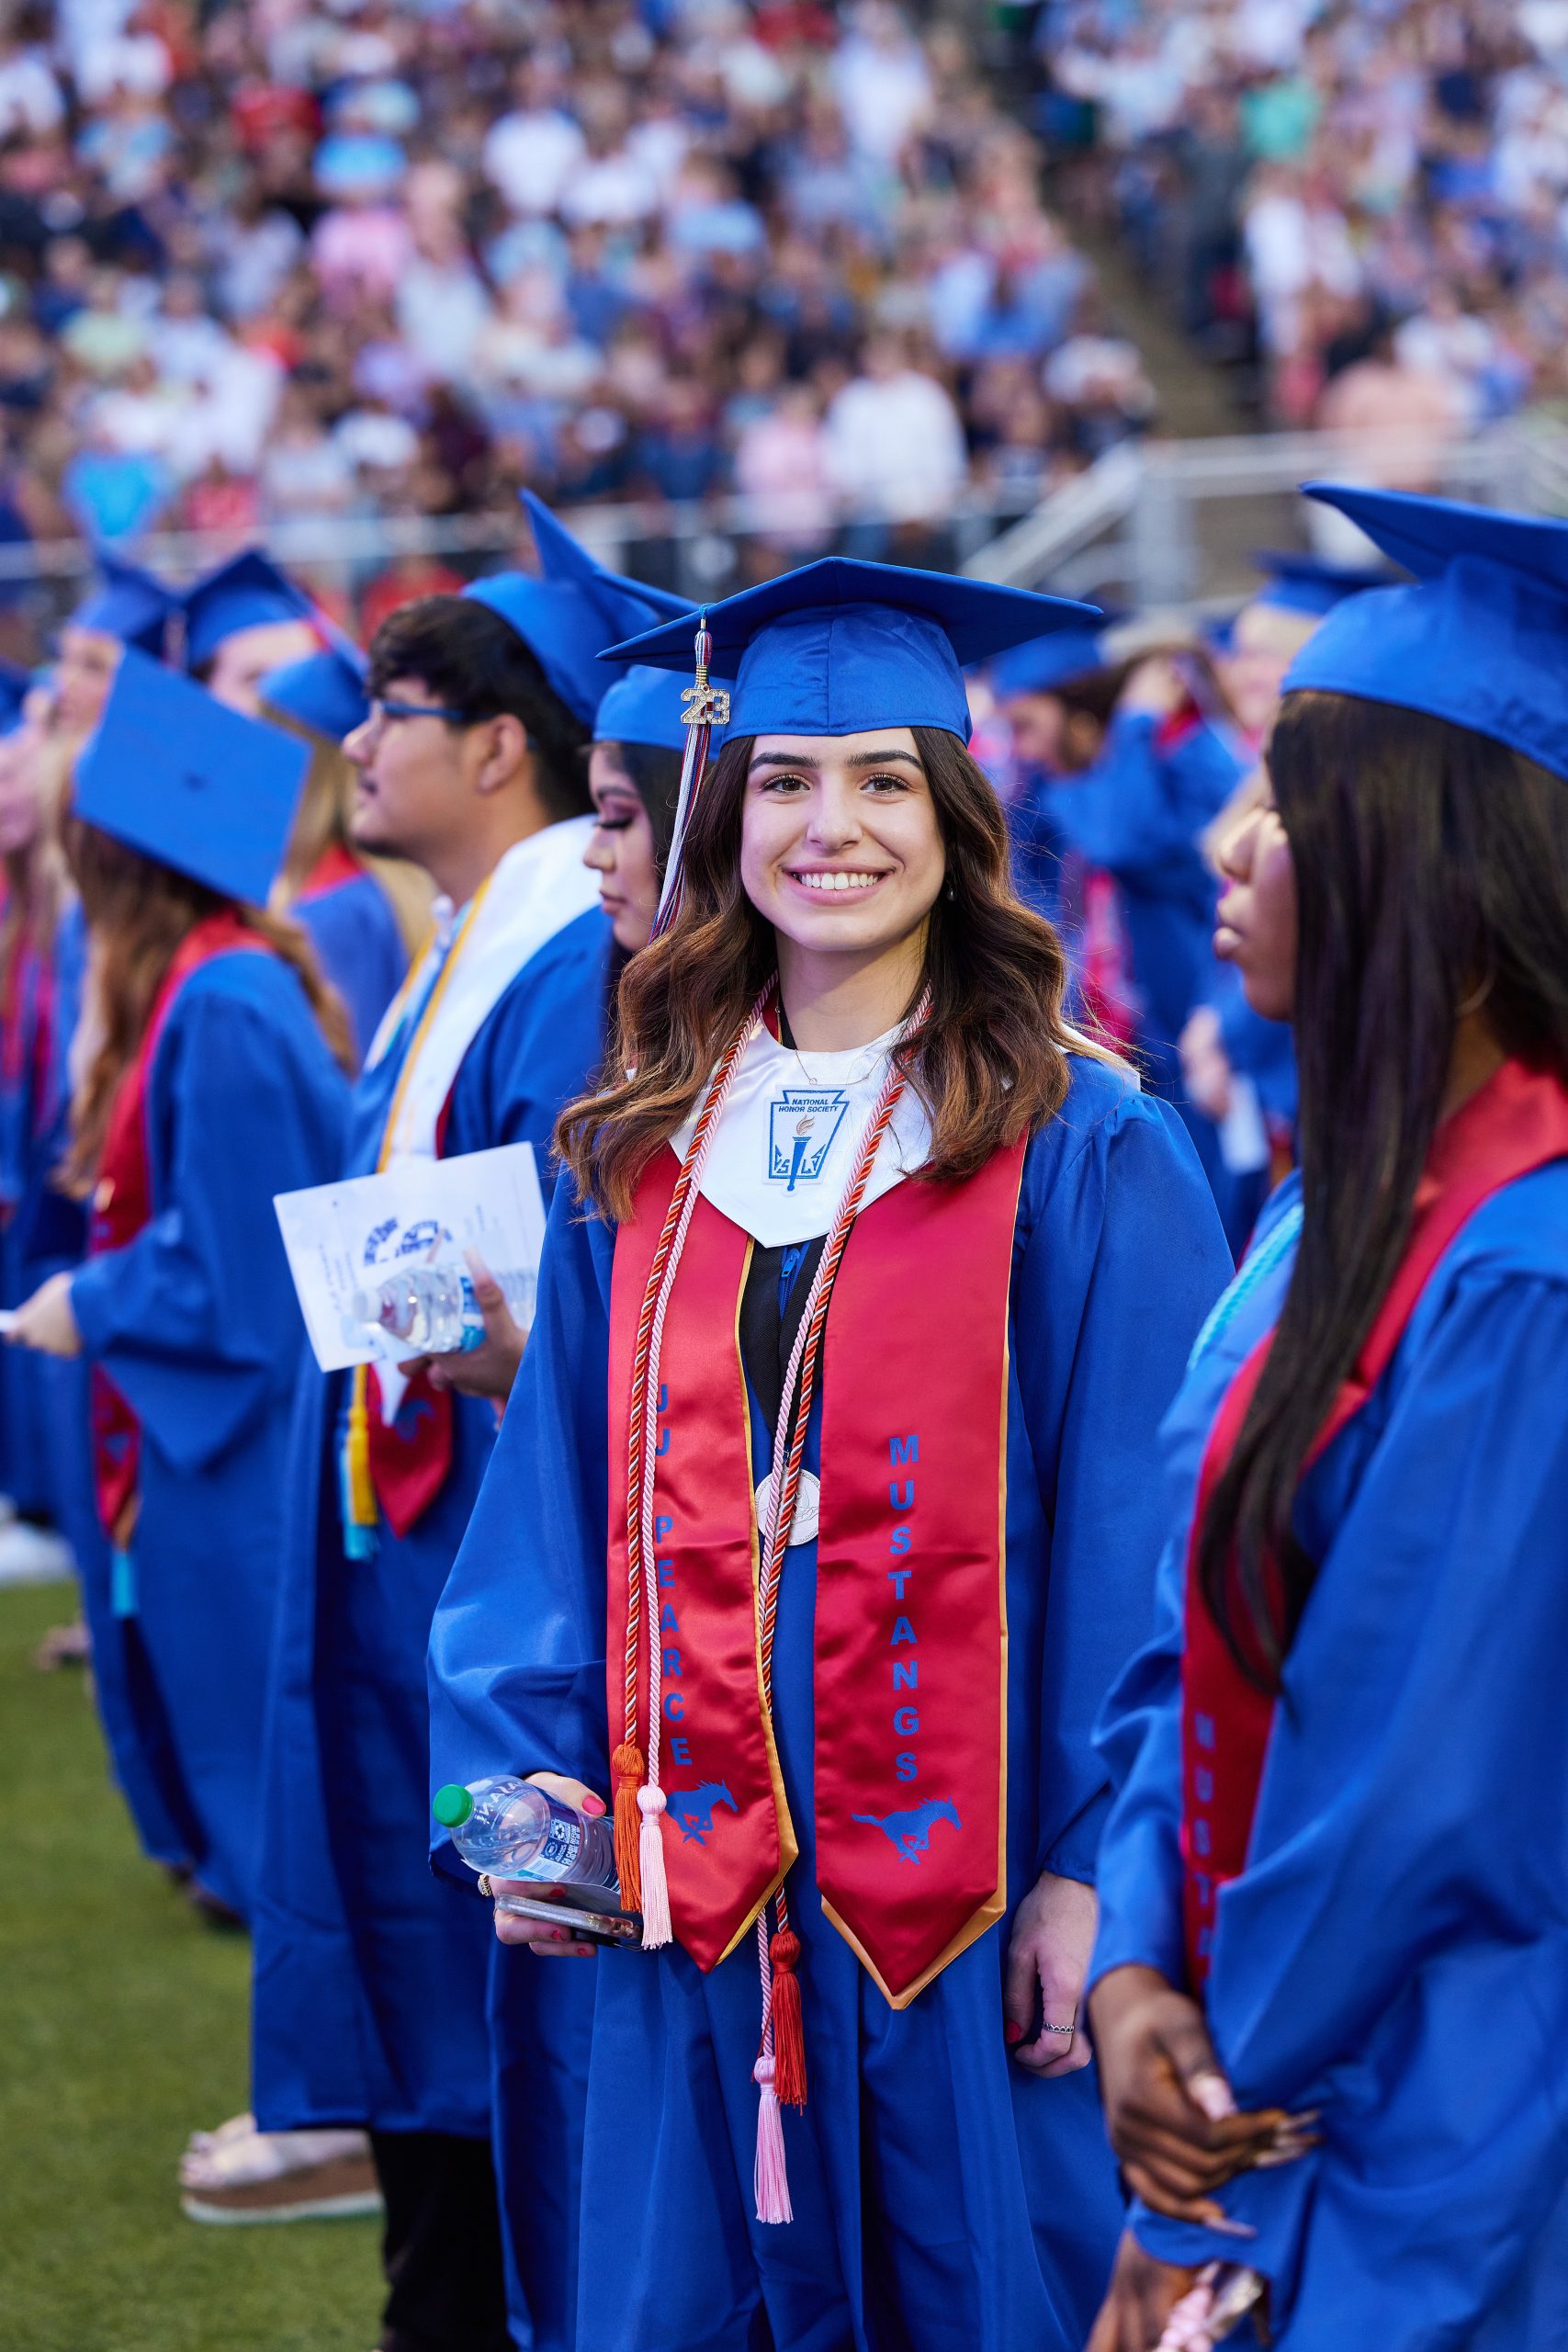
column 1053, row 1935
column 46, row 1321
column 550, row 1943
column 490, row 1369
column 1143, row 2295
column 1168, row 2108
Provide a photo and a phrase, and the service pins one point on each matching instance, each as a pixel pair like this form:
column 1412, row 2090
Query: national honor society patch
column 803, row 1123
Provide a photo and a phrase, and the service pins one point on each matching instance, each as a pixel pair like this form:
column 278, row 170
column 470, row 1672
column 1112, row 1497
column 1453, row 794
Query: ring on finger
column 485, row 1887
column 1068, row 2030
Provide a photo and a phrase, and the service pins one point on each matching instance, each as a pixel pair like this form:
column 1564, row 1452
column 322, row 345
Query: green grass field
column 123, row 2024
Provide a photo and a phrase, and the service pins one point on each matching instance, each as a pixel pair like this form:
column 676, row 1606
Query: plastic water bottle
column 432, row 1310
column 513, row 1829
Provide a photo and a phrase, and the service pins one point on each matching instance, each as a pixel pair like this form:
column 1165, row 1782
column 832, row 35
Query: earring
column 950, row 894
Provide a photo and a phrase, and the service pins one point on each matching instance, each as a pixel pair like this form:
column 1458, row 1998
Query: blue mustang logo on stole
column 803, row 1123
column 692, row 1809
column 911, row 1832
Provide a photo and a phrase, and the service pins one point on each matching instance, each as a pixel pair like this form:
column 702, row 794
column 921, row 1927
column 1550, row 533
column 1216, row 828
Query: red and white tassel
column 656, row 1928
column 770, row 2181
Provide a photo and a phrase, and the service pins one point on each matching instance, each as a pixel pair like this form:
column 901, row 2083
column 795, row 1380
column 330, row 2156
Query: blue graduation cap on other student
column 127, row 603
column 572, row 610
column 1310, row 585
column 1480, row 638
column 325, row 692
column 188, row 781
column 248, row 592
column 840, row 645
column 644, row 705
column 1046, row 662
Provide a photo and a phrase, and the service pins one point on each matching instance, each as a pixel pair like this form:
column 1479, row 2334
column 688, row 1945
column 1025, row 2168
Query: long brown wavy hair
column 139, row 911
column 990, row 1062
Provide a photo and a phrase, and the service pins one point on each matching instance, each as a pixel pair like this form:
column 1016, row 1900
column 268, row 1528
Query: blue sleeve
column 1125, row 1258
column 517, row 1647
column 1141, row 806
column 195, row 1319
column 1397, row 1951
column 354, row 933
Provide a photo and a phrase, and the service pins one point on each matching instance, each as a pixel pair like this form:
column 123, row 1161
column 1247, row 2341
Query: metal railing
column 1151, row 523
column 1147, row 520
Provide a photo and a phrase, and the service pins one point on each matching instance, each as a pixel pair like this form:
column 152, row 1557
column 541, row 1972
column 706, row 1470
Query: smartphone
column 589, row 1926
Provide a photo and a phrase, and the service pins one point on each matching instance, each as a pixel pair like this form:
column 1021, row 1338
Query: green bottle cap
column 452, row 1806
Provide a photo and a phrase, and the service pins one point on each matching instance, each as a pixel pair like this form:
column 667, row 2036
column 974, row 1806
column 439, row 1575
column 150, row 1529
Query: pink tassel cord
column 771, row 2181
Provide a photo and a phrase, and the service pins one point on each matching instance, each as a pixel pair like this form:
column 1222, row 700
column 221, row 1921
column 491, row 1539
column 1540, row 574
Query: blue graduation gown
column 51, row 1234
column 354, row 933
column 1397, row 1950
column 370, row 1974
column 1138, row 814
column 31, row 1127
column 196, row 1322
column 929, row 2173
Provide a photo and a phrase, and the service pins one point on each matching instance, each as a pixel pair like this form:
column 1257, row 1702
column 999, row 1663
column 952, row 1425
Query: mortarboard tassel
column 359, row 1510
column 707, row 707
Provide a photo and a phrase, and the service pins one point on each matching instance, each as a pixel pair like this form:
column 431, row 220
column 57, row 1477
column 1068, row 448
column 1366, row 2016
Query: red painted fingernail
column 592, row 1805
column 1011, row 2031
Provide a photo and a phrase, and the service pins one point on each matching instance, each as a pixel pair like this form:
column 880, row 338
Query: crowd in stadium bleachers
column 320, row 258
column 1370, row 200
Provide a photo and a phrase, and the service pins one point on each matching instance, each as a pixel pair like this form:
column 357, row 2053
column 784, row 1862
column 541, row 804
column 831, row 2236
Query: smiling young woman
column 851, row 1374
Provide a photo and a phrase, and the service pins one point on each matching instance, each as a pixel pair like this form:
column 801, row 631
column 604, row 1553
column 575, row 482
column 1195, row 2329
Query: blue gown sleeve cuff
column 1274, row 2205
column 90, row 1306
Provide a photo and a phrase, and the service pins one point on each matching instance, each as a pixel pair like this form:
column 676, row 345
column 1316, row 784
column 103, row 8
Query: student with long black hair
column 1330, row 1991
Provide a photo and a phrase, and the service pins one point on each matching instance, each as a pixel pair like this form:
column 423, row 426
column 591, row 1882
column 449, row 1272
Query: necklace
column 876, row 1052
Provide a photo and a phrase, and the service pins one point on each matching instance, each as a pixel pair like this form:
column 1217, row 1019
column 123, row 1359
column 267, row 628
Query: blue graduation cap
column 1046, row 662
column 1306, row 583
column 573, row 610
column 644, row 705
column 840, row 645
column 325, row 692
column 1480, row 638
column 127, row 604
column 248, row 592
column 186, row 780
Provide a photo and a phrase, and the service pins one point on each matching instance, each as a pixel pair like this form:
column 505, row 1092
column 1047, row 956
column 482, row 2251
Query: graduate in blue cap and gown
column 1331, row 1984
column 363, row 918
column 371, row 1979
column 868, row 1580
column 242, row 620
column 1054, row 730
column 215, row 1086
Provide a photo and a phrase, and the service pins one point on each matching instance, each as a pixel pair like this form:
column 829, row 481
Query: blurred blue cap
column 1306, row 583
column 127, row 604
column 841, row 646
column 325, row 692
column 569, row 612
column 644, row 707
column 186, row 780
column 17, row 682
column 1045, row 664
column 1479, row 638
column 248, row 592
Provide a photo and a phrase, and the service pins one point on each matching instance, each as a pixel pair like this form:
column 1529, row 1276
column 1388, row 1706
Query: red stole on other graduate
column 336, row 866
column 911, row 1631
column 410, row 1457
column 1517, row 1121
column 122, row 1202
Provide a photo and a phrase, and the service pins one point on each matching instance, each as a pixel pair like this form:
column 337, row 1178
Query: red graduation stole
column 122, row 1203
column 336, row 866
column 911, row 1619
column 1517, row 1121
